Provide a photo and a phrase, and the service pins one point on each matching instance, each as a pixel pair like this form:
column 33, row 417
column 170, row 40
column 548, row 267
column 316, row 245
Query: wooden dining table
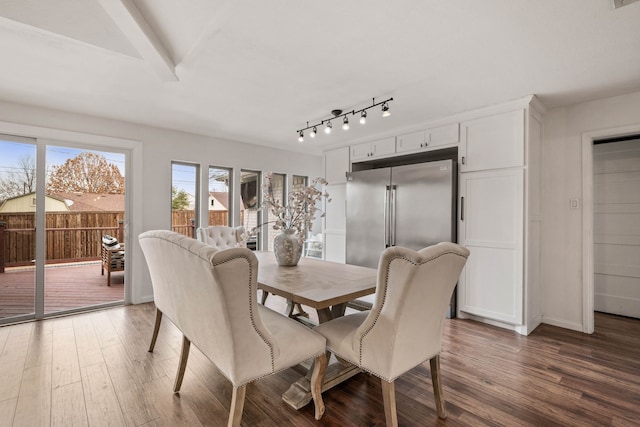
column 324, row 286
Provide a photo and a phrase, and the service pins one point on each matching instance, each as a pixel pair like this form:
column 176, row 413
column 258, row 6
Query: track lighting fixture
column 363, row 117
column 337, row 113
column 385, row 110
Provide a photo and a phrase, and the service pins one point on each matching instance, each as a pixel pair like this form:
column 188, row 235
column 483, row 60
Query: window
column 249, row 203
column 184, row 203
column 219, row 202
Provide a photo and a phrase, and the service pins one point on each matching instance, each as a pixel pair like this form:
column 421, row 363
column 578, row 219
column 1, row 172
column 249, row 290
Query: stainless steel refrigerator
column 413, row 206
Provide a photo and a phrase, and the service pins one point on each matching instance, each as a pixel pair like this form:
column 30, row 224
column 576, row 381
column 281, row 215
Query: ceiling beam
column 136, row 29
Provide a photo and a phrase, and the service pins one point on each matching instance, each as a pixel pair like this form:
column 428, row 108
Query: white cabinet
column 444, row 135
column 500, row 216
column 372, row 150
column 492, row 142
column 336, row 165
column 412, row 141
column 429, row 139
column 491, row 227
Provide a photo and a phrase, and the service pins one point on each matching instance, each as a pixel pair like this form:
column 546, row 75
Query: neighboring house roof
column 221, row 198
column 93, row 202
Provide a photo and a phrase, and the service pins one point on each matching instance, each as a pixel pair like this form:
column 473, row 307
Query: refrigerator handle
column 462, row 208
column 392, row 225
column 387, row 196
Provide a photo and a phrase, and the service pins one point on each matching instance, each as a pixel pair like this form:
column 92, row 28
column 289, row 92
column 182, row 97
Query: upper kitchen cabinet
column 429, row 139
column 373, row 150
column 492, row 142
column 336, row 165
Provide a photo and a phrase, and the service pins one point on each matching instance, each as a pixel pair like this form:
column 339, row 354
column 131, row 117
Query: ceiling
column 256, row 71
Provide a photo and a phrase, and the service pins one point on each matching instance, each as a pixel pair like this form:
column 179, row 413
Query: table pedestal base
column 299, row 393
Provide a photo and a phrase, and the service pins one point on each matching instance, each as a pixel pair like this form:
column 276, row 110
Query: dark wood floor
column 93, row 369
column 67, row 286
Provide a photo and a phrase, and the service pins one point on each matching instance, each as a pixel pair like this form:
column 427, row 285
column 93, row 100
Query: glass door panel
column 278, row 191
column 85, row 244
column 17, row 228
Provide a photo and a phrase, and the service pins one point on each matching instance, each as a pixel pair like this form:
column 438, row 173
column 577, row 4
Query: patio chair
column 112, row 256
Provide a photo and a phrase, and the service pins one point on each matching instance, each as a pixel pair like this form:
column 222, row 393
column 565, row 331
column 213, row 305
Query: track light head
column 345, row 123
column 313, row 132
column 363, row 117
column 327, row 128
column 385, row 110
column 301, row 136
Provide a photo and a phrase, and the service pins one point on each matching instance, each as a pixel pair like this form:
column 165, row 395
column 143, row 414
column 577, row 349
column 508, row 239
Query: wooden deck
column 67, row 286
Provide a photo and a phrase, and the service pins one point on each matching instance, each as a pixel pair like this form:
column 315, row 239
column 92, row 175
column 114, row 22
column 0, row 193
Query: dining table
column 324, row 286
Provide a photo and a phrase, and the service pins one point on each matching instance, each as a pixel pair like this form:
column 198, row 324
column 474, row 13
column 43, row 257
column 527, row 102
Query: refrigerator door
column 422, row 204
column 367, row 212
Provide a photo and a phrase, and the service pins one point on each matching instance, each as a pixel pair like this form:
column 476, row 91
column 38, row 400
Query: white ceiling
column 256, row 71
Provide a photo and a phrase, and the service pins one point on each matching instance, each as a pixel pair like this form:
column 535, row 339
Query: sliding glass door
column 17, row 228
column 58, row 204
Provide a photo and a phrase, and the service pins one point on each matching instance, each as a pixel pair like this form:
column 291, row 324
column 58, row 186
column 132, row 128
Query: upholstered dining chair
column 221, row 236
column 210, row 295
column 405, row 325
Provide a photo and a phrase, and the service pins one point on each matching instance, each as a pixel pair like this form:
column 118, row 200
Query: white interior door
column 616, row 223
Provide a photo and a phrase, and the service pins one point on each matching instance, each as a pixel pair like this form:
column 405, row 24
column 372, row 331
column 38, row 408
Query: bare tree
column 21, row 180
column 88, row 173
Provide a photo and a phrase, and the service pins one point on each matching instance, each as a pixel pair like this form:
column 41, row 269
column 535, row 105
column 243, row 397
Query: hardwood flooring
column 94, row 369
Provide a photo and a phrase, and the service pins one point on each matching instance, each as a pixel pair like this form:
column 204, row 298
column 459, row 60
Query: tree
column 87, row 173
column 179, row 199
column 22, row 180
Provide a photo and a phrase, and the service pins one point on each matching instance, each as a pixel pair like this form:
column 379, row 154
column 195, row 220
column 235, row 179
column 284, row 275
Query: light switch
column 574, row 203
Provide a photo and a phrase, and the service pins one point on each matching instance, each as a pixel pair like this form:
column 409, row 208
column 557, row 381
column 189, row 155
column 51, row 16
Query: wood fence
column 75, row 236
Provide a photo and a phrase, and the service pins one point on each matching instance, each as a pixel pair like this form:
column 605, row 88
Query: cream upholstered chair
column 221, row 236
column 211, row 297
column 404, row 327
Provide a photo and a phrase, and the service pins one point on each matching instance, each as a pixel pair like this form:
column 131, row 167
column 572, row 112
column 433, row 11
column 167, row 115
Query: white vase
column 287, row 248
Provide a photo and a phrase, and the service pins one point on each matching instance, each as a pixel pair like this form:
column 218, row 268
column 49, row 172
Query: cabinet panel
column 372, row 150
column 491, row 227
column 334, row 247
column 412, row 141
column 492, row 142
column 336, row 165
column 444, row 135
column 335, row 212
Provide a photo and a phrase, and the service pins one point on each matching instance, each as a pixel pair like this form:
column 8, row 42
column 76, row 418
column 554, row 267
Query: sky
column 11, row 153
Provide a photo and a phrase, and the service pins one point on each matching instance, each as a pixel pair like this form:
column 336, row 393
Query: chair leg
column 156, row 328
column 182, row 365
column 237, row 406
column 265, row 294
column 317, row 378
column 436, row 379
column 389, row 399
column 108, row 277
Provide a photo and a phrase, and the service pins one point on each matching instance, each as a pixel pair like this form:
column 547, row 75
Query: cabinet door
column 412, row 141
column 444, row 135
column 361, row 151
column 335, row 223
column 492, row 142
column 336, row 165
column 384, row 147
column 491, row 227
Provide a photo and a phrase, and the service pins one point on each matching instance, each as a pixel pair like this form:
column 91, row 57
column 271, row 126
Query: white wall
column 149, row 180
column 562, row 254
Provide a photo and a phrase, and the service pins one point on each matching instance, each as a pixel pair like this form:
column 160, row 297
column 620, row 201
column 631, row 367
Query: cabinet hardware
column 462, row 208
column 463, row 160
